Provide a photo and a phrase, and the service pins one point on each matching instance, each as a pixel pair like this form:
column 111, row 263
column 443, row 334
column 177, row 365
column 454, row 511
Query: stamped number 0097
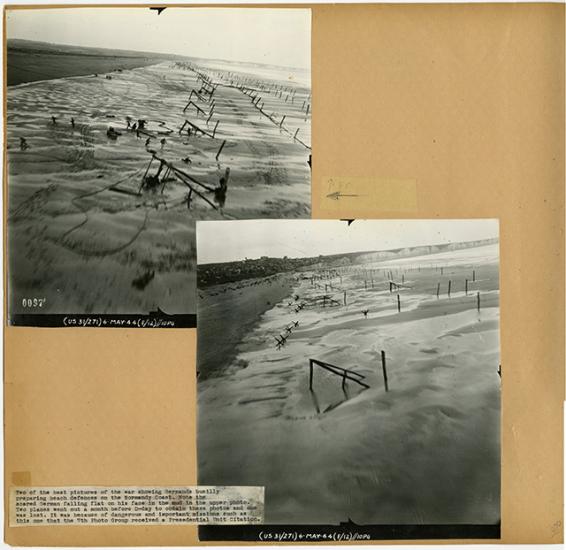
column 33, row 302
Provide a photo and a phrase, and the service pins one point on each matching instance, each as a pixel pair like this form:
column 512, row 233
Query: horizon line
column 352, row 252
column 154, row 53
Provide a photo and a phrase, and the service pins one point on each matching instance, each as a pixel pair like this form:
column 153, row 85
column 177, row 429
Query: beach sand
column 78, row 232
column 427, row 451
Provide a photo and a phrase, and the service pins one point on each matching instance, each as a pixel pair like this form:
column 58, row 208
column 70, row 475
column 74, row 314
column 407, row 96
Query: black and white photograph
column 127, row 124
column 352, row 368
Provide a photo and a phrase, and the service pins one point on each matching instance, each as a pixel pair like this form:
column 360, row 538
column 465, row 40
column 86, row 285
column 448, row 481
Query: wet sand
column 26, row 66
column 425, row 452
column 229, row 311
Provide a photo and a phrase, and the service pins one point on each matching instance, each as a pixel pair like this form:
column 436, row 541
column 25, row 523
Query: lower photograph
column 352, row 369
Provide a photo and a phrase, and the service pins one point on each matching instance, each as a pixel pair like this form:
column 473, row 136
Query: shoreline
column 243, row 305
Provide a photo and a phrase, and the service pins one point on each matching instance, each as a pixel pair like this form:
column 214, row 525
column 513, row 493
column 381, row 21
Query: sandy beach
column 424, row 452
column 81, row 233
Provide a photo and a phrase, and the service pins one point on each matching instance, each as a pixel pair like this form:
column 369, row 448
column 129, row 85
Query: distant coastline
column 218, row 273
column 32, row 61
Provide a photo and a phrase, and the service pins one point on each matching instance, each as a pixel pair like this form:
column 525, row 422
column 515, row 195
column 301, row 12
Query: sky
column 270, row 36
column 225, row 241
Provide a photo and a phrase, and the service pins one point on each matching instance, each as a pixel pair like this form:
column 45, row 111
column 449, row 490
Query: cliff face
column 338, row 260
column 421, row 250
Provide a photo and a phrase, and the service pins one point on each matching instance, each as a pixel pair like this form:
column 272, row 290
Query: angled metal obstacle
column 345, row 374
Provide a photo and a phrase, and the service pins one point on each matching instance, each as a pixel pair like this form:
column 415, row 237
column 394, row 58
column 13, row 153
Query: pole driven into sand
column 384, row 370
column 310, row 375
column 220, row 150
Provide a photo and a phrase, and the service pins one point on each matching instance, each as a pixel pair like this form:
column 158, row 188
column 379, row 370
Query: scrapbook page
column 347, row 223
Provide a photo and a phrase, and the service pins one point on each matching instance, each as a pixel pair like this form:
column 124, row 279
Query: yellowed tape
column 21, row 479
column 354, row 197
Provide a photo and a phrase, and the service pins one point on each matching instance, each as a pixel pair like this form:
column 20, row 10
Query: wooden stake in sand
column 189, row 198
column 478, row 301
column 344, row 297
column 466, row 287
column 198, row 109
column 282, row 120
column 220, row 150
column 310, row 375
column 384, row 370
column 449, row 287
column 148, row 167
column 438, row 290
column 398, row 303
column 144, row 176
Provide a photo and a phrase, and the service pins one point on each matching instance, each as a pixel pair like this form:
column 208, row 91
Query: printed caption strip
column 41, row 506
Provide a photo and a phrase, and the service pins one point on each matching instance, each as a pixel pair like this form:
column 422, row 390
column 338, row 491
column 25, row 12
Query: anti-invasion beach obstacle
column 328, row 276
column 252, row 88
column 200, row 116
column 204, row 94
column 256, row 103
column 345, row 374
column 195, row 186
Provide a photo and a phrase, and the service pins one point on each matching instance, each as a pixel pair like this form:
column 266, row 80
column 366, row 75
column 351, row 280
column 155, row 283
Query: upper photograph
column 124, row 126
